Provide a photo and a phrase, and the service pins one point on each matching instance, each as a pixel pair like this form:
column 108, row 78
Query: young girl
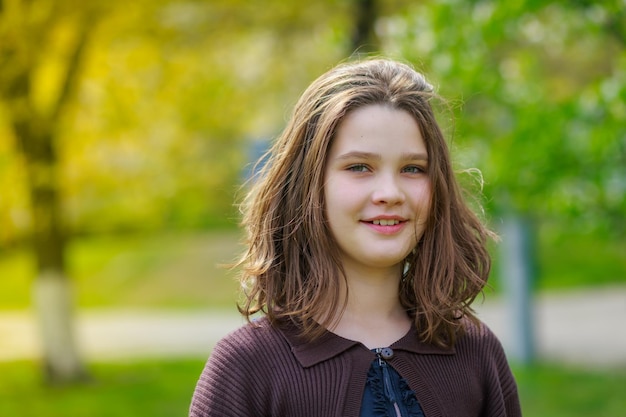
column 364, row 260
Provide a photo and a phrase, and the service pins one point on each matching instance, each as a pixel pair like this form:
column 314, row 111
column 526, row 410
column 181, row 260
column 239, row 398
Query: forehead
column 376, row 128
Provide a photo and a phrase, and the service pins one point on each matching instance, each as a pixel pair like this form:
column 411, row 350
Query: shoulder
column 250, row 333
column 478, row 334
column 228, row 385
column 251, row 341
column 480, row 345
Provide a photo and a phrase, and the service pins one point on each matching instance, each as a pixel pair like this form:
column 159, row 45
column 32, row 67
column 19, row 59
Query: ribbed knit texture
column 259, row 370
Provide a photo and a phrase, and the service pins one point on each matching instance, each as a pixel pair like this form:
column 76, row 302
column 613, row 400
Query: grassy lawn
column 164, row 388
column 157, row 389
column 181, row 270
column 550, row 391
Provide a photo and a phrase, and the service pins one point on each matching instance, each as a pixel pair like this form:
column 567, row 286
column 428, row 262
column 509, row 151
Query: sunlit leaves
column 173, row 92
column 543, row 90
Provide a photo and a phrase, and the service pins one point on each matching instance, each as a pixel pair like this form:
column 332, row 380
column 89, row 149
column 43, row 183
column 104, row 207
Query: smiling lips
column 385, row 222
column 387, row 226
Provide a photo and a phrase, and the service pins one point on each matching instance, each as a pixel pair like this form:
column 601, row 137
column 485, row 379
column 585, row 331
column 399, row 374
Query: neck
column 373, row 314
column 373, row 294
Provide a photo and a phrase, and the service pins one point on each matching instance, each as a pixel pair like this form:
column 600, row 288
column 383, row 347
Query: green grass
column 551, row 391
column 146, row 388
column 164, row 388
column 181, row 270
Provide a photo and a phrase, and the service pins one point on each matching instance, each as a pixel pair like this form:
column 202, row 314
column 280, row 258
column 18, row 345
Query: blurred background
column 127, row 129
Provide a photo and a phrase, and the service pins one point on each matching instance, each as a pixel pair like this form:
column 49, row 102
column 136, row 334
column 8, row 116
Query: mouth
column 385, row 222
column 386, row 226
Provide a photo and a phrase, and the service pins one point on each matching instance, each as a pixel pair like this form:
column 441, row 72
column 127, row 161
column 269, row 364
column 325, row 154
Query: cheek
column 332, row 200
column 421, row 199
column 339, row 193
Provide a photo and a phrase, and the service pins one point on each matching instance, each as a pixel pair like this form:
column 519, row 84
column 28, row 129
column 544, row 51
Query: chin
column 382, row 262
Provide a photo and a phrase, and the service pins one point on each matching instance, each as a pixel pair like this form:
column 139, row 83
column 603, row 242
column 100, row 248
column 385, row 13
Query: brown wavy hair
column 291, row 269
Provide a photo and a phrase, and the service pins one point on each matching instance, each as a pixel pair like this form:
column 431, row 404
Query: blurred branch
column 70, row 81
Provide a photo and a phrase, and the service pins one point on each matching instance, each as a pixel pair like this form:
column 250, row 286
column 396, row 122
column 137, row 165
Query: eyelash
column 411, row 169
column 358, row 168
column 414, row 169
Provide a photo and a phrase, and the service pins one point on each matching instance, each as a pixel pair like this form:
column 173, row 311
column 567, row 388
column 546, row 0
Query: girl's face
column 377, row 190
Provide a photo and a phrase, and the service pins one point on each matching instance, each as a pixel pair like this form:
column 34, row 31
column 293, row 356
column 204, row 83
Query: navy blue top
column 386, row 393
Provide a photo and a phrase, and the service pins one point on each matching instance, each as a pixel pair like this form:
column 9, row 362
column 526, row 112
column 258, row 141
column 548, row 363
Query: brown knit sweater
column 260, row 370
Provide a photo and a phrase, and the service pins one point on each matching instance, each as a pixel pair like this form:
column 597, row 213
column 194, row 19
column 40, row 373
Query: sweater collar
column 329, row 345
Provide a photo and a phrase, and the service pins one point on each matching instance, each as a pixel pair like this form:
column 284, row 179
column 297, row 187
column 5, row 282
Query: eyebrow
column 407, row 156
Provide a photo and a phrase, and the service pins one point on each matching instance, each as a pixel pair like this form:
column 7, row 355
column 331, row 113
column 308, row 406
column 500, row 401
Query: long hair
column 291, row 269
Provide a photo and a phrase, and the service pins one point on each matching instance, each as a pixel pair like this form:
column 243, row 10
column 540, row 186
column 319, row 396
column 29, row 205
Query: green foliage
column 543, row 91
column 171, row 94
column 570, row 258
column 17, row 267
column 164, row 388
column 169, row 97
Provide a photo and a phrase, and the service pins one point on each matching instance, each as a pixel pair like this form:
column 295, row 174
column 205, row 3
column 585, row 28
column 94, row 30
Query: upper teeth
column 383, row 222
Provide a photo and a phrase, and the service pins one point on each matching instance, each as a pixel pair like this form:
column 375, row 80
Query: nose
column 388, row 191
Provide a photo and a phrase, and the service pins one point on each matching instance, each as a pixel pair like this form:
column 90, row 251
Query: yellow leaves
column 168, row 97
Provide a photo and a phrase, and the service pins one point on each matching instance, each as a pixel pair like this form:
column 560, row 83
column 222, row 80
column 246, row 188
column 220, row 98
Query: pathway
column 586, row 328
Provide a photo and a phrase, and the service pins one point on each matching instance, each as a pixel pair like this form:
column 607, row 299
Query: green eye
column 413, row 169
column 358, row 168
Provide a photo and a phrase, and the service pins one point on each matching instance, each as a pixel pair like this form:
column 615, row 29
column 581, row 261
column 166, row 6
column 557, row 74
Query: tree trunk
column 26, row 27
column 364, row 39
column 52, row 297
column 53, row 305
